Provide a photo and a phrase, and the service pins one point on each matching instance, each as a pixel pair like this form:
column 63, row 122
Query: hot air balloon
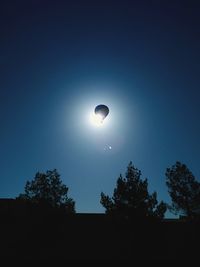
column 102, row 111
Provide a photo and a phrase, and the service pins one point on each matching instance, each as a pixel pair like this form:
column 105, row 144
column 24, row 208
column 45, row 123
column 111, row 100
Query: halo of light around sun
column 88, row 129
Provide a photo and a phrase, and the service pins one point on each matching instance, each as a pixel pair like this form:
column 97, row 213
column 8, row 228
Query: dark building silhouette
column 33, row 234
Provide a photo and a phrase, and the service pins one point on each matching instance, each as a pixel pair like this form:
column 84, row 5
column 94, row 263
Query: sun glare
column 96, row 120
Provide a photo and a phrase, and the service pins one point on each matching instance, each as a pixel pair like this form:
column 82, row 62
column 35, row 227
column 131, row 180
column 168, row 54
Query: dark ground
column 43, row 237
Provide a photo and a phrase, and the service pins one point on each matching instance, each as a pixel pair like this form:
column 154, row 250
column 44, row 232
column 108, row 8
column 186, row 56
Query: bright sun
column 96, row 120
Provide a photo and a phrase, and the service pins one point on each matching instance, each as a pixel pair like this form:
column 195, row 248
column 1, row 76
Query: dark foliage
column 47, row 189
column 132, row 199
column 184, row 190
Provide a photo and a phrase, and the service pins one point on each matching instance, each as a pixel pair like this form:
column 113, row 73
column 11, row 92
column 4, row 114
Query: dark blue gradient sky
column 61, row 58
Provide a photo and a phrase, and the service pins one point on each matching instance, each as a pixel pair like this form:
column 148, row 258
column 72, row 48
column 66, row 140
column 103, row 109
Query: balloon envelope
column 102, row 110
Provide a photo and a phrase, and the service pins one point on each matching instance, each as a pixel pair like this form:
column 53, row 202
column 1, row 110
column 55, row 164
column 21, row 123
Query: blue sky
column 61, row 58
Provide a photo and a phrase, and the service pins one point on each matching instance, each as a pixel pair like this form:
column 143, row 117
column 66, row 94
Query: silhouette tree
column 47, row 188
column 131, row 197
column 184, row 190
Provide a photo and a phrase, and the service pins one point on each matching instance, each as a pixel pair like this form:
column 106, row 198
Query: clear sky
column 59, row 59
